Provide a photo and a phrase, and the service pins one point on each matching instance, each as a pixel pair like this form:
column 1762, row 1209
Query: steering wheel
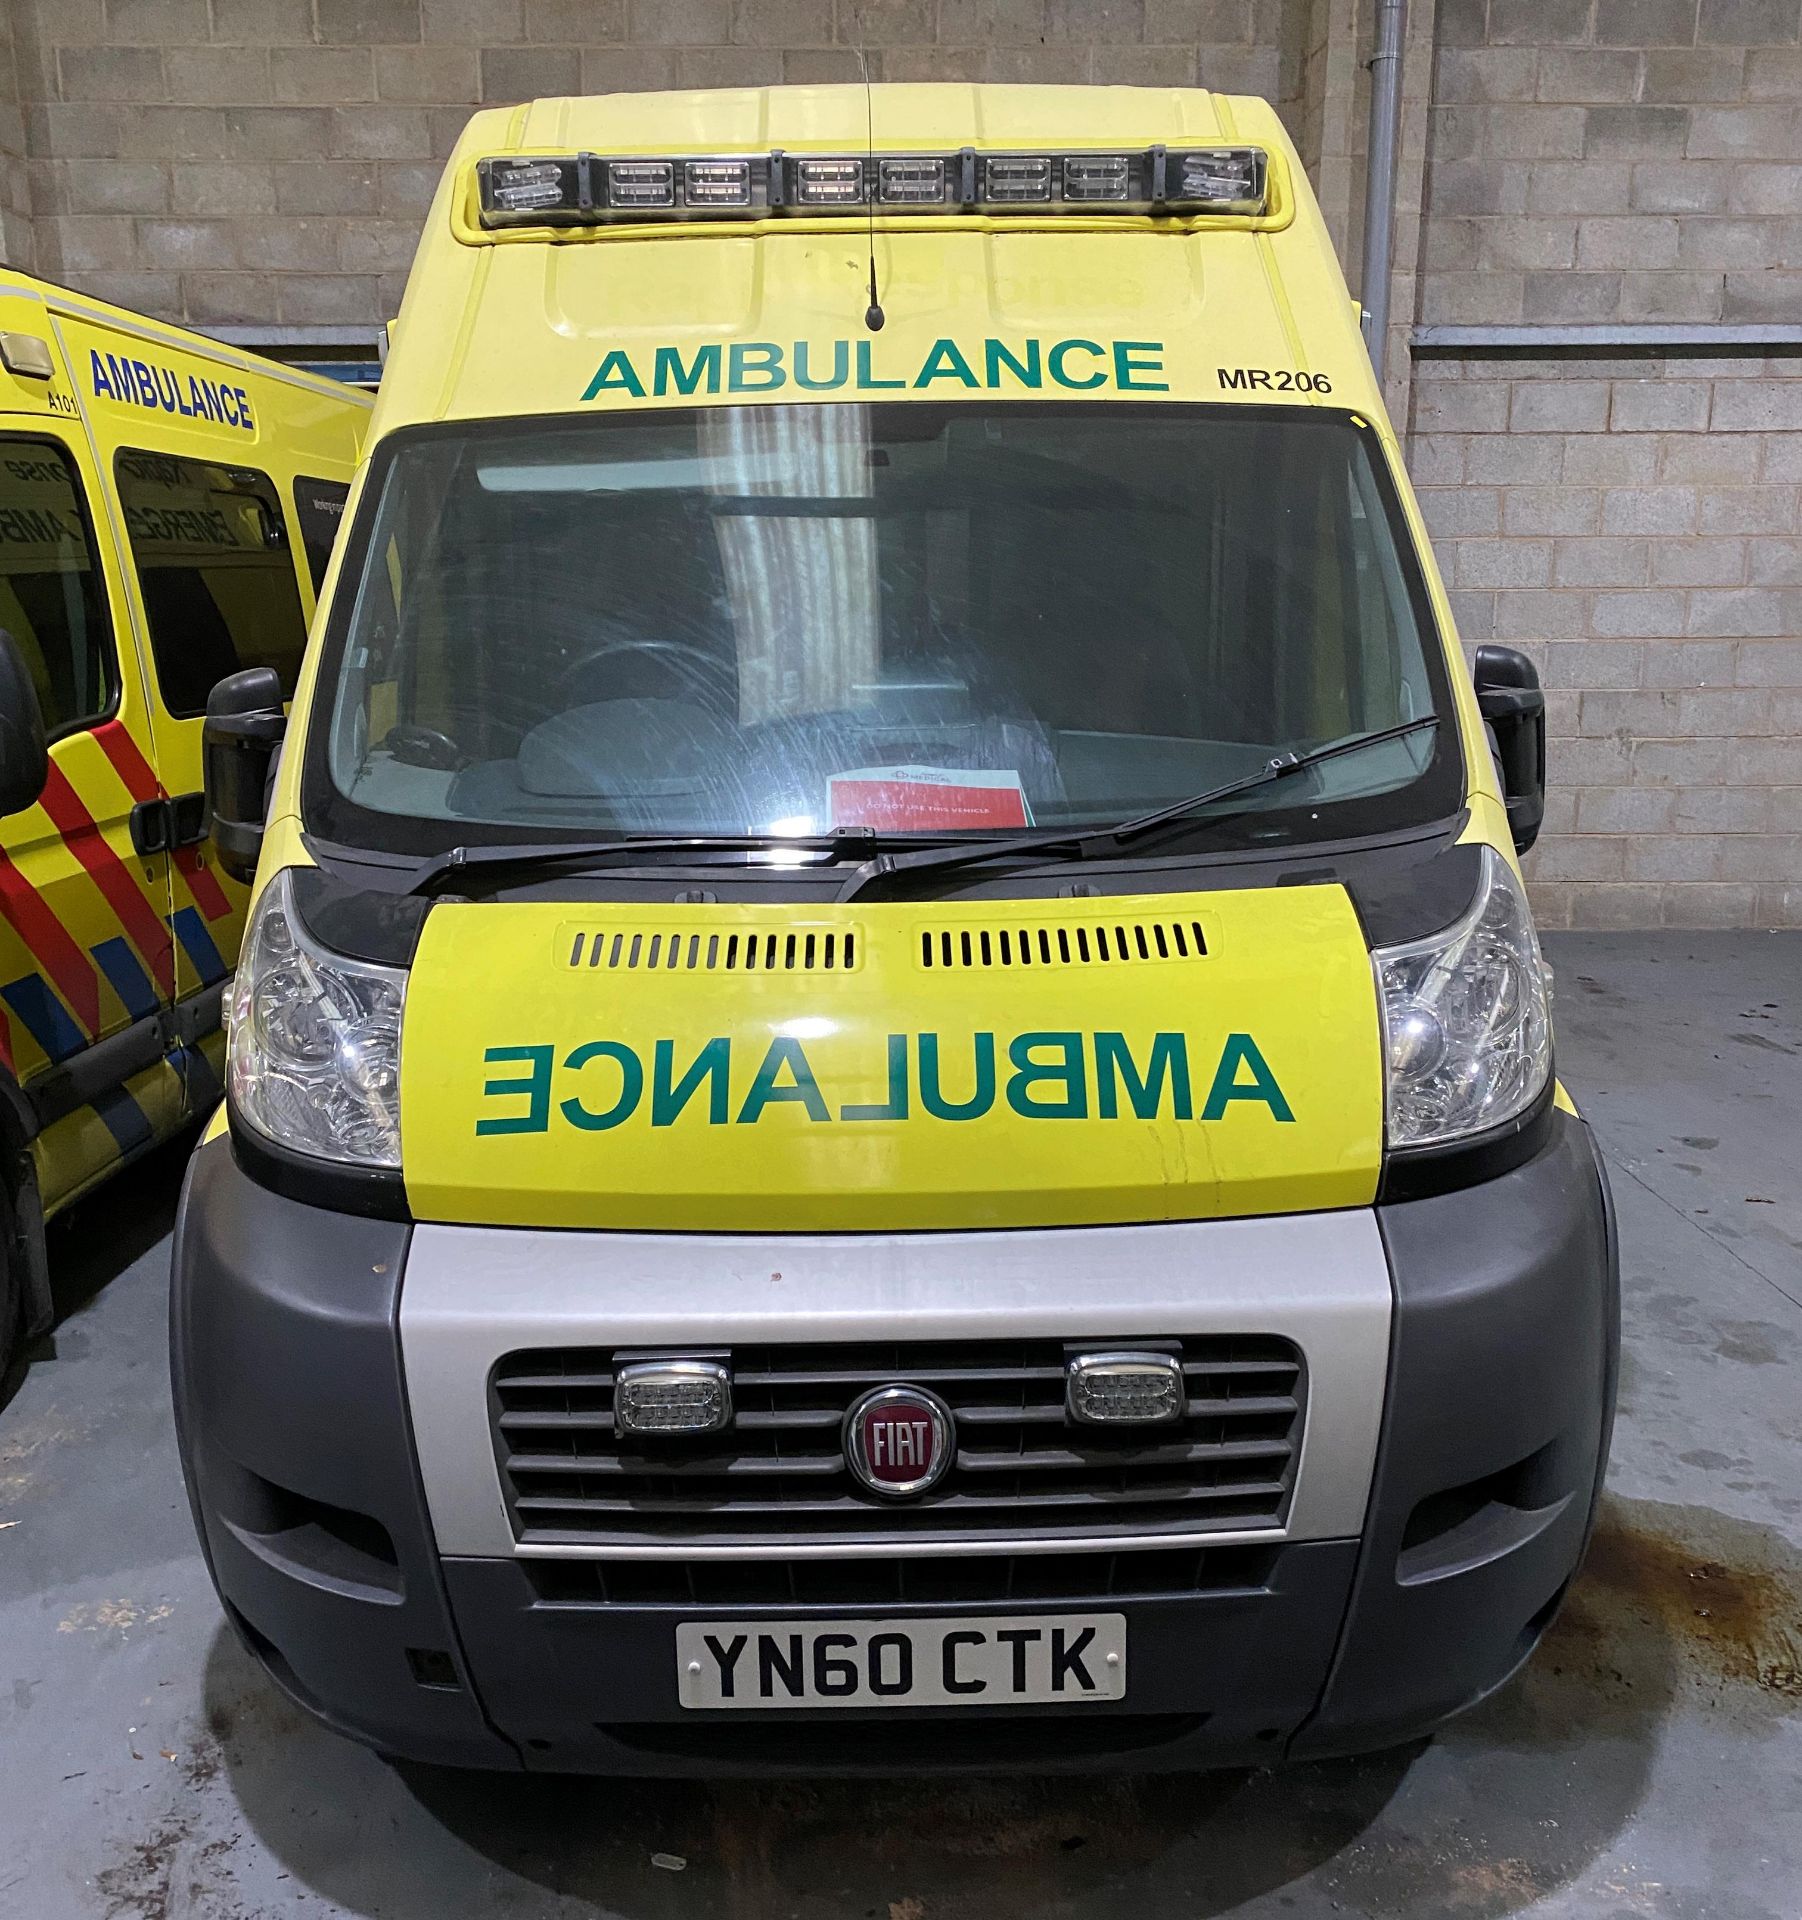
column 425, row 747
column 709, row 678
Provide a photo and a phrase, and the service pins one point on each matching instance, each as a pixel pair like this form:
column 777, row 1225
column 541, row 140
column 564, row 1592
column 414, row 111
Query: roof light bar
column 585, row 189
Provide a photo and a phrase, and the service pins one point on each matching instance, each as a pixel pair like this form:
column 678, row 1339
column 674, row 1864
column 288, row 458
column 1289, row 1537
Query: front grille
column 778, row 1474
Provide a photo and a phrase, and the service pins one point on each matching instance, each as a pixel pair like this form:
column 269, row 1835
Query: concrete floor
column 1649, row 1762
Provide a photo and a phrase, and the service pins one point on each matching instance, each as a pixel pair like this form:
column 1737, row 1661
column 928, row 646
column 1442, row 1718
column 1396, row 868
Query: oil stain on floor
column 1725, row 1596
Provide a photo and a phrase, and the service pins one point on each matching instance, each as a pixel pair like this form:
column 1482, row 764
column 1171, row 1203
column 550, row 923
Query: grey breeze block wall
column 1634, row 521
column 1631, row 520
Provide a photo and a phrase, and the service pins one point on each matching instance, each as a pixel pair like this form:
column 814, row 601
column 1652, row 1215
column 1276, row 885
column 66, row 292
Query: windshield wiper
column 1279, row 768
column 663, row 849
column 1091, row 843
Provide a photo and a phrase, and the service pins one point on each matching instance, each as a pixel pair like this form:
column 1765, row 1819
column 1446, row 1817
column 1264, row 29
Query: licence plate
column 986, row 1660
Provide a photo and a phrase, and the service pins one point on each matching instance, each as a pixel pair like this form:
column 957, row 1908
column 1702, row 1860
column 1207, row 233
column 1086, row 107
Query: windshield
column 908, row 617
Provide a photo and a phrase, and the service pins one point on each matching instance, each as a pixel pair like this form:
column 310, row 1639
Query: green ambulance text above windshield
column 871, row 366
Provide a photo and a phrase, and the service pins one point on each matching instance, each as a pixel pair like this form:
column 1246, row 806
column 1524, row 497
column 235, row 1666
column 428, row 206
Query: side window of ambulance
column 215, row 570
column 319, row 507
column 52, row 593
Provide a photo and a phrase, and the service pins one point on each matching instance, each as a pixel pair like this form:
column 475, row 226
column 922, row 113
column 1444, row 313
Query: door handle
column 187, row 815
column 162, row 825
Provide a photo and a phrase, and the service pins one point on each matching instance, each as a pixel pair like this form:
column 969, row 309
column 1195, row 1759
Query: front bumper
column 1458, row 1420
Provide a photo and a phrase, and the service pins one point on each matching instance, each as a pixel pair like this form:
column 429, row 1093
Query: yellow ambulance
column 891, row 1101
column 167, row 506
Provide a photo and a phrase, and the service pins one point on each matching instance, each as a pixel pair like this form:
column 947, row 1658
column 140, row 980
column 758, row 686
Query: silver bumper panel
column 472, row 1294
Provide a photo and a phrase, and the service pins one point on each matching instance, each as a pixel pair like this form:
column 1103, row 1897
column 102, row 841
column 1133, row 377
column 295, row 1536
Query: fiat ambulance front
column 891, row 1097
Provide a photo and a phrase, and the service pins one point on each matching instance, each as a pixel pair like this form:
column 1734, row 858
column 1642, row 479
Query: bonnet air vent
column 1089, row 943
column 670, row 950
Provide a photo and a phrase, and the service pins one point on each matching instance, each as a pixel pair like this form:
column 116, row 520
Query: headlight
column 314, row 1049
column 1467, row 1028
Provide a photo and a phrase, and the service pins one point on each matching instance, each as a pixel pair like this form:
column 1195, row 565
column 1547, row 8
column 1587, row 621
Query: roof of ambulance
column 515, row 323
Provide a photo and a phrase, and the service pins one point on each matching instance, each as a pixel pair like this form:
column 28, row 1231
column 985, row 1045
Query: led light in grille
column 641, row 183
column 1019, row 177
column 913, row 182
column 829, row 183
column 672, row 1396
column 1233, row 174
column 717, row 183
column 526, row 186
column 1095, row 176
column 1124, row 1389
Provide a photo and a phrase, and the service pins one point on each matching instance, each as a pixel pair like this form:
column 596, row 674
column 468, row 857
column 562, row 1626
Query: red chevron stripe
column 209, row 896
column 128, row 761
column 141, row 783
column 82, row 836
column 6, row 1046
column 70, row 970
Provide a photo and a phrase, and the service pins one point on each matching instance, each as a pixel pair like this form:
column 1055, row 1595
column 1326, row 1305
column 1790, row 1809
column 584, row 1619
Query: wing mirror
column 242, row 735
column 1511, row 701
column 24, row 759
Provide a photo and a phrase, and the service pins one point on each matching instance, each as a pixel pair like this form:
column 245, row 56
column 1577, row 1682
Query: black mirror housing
column 1510, row 699
column 243, row 732
column 24, row 758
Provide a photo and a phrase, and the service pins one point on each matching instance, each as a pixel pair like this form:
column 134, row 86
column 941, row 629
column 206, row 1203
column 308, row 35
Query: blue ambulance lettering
column 160, row 389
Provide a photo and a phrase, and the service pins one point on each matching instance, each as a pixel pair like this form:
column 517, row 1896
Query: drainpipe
column 1379, row 175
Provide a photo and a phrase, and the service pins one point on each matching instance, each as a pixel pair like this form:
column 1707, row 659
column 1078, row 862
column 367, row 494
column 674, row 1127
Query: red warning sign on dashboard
column 921, row 799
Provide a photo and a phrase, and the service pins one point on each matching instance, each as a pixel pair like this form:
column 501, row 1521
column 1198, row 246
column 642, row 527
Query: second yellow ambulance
column 166, row 508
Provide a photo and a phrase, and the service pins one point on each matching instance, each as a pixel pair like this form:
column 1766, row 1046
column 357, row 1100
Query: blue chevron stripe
column 125, row 972
column 197, row 1077
column 197, row 943
column 125, row 1120
column 45, row 1017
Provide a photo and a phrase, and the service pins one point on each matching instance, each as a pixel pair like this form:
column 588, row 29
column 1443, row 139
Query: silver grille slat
column 849, row 1502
